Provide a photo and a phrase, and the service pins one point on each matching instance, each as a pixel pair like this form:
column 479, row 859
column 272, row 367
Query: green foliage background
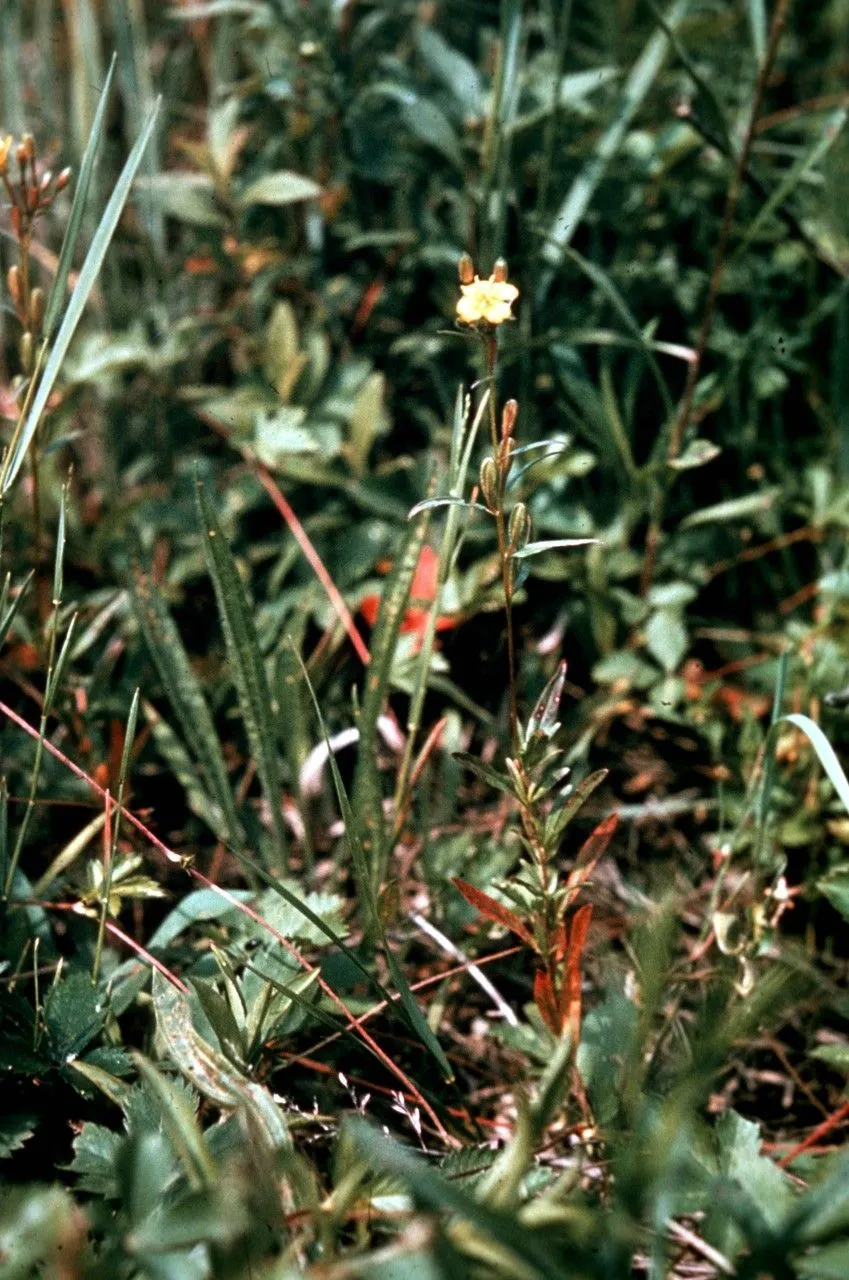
column 275, row 310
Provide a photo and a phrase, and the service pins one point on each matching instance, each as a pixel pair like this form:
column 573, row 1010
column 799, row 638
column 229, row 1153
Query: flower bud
column 5, row 148
column 32, row 199
column 28, row 145
column 63, row 179
column 508, row 418
column 504, row 457
column 15, row 219
column 25, row 351
column 519, row 529
column 499, row 271
column 489, row 482
column 13, row 280
column 21, row 155
column 36, row 309
column 466, row 269
column 45, row 180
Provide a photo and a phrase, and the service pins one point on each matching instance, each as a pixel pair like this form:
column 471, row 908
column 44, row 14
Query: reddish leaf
column 494, row 911
column 546, row 1002
column 593, row 848
column 570, row 992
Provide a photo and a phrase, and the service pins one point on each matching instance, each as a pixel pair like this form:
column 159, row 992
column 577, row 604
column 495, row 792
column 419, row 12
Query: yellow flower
column 488, row 300
column 5, row 147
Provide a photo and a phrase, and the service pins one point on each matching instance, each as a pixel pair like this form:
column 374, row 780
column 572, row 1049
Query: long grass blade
column 88, row 275
column 56, row 299
column 643, row 74
column 367, row 796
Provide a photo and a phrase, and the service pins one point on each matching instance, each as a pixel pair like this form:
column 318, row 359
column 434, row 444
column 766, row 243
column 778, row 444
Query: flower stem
column 503, row 543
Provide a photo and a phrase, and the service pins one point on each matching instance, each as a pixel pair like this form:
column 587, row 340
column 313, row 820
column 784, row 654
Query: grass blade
column 247, row 664
column 367, row 796
column 88, row 275
column 56, row 299
column 643, row 74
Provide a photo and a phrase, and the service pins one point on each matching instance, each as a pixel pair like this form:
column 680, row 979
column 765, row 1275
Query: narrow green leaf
column 485, row 772
column 246, row 662
column 431, row 504
column 87, row 277
column 553, row 544
column 825, row 752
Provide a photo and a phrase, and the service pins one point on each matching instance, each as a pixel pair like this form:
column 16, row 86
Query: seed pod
column 489, row 482
column 466, row 269
column 25, row 351
column 13, row 281
column 36, row 309
column 499, row 271
column 63, row 179
column 508, row 418
column 519, row 529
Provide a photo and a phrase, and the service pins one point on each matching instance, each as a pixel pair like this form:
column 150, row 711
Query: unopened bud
column 504, row 456
column 15, row 218
column 36, row 309
column 25, row 351
column 28, row 145
column 13, row 280
column 63, row 179
column 466, row 269
column 32, row 199
column 21, row 154
column 5, row 148
column 508, row 418
column 489, row 482
column 499, row 271
column 45, row 181
column 519, row 529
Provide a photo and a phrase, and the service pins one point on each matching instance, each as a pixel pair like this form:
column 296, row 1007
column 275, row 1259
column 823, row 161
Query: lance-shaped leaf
column 494, row 911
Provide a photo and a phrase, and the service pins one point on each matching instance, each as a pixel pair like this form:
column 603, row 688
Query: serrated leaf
column 184, row 693
column 237, row 621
